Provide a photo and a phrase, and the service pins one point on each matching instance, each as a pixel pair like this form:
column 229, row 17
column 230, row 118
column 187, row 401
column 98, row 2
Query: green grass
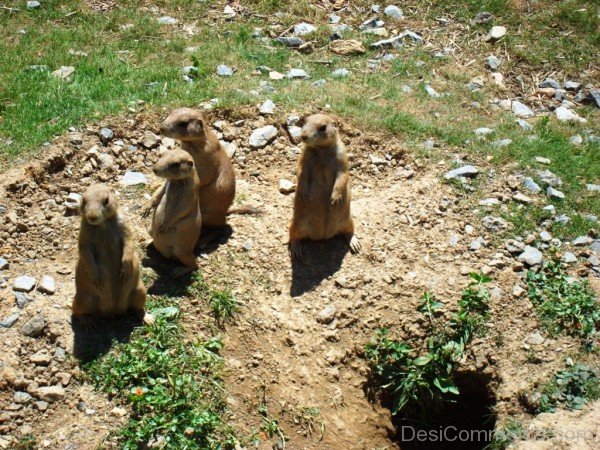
column 173, row 385
column 222, row 302
column 565, row 305
column 572, row 388
column 511, row 431
column 426, row 381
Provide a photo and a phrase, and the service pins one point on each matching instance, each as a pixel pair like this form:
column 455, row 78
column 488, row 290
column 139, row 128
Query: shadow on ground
column 319, row 260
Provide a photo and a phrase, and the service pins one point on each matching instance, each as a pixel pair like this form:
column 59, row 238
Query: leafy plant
column 222, row 303
column 572, row 387
column 270, row 426
column 415, row 379
column 563, row 304
column 174, row 387
column 512, row 431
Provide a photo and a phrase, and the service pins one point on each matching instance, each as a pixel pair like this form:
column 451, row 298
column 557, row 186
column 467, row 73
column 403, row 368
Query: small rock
column 150, row 140
column 513, row 246
column 286, row 186
column 290, row 41
column 34, row 326
column 493, row 62
column 73, row 201
column 524, row 124
column 326, row 315
column 565, row 114
column 576, row 140
column 464, row 171
column 393, row 11
column 495, row 33
column 502, row 143
column 494, row 224
column 483, row 17
column 550, row 83
column 531, row 185
column 531, row 256
column 589, row 187
column 572, row 86
column 64, row 72
column 21, row 299
column 580, row 241
column 535, row 339
column 569, row 258
column 167, row 20
column 522, row 198
column 297, row 74
column 347, row 47
column 24, row 283
column 518, row 291
column 50, row 393
column 131, row 178
column 262, row 136
column 542, row 160
column 268, row 107
column 247, row 246
column 483, row 131
column 41, row 358
column 593, row 98
column 47, row 285
column 548, row 178
column 224, row 71
column 33, row 4
column 545, row 236
column 521, row 110
column 554, row 193
column 4, row 263
column 9, row 321
column 40, row 405
column 341, row 73
column 22, row 397
column 106, row 135
column 431, row 92
column 304, row 28
column 295, row 134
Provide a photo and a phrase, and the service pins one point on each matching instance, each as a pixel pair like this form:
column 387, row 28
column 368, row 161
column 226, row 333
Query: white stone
column 495, row 33
column 262, row 136
column 286, row 186
column 268, row 107
column 224, row 71
column 295, row 133
column 64, row 72
column 167, row 20
column 131, row 178
column 531, row 256
column 521, row 110
column 304, row 28
column 393, row 11
column 47, row 285
column 297, row 73
column 565, row 114
column 24, row 283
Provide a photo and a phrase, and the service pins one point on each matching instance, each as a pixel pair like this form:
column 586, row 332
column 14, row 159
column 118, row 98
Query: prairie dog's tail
column 244, row 210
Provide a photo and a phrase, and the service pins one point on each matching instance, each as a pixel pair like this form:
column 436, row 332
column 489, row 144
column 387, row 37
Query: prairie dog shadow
column 319, row 260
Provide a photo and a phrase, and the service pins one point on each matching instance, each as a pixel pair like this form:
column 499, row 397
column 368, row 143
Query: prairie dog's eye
column 105, row 202
column 322, row 128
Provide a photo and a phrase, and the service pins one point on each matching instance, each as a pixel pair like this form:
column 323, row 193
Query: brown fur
column 322, row 202
column 177, row 221
column 217, row 180
column 107, row 277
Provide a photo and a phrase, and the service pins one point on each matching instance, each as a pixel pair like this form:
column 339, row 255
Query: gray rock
column 495, row 33
column 548, row 178
column 476, row 243
column 524, row 124
column 429, row 144
column 326, row 315
column 464, row 171
column 295, row 133
column 569, row 258
column 494, row 224
column 286, row 186
column 589, row 187
column 21, row 299
column 550, row 83
column 304, row 28
column 224, row 71
column 542, row 160
column 297, row 74
column 47, row 285
column 489, row 201
column 292, row 119
column 50, row 393
column 581, row 241
column 554, row 193
column 545, row 236
column 341, row 73
column 593, row 98
column 106, row 135
column 493, row 62
column 131, row 178
column 40, row 405
column 334, row 19
column 594, row 261
column 531, row 256
column 576, row 140
column 393, row 11
column 535, row 339
column 320, row 83
column 483, row 131
column 4, row 263
column 531, row 185
column 167, row 20
column 502, row 143
column 9, row 321
column 595, row 247
column 521, row 110
column 572, row 85
column 290, row 41
column 262, row 136
column 105, row 161
column 565, row 114
column 562, row 219
column 73, row 201
column 268, row 107
column 33, row 4
column 247, row 246
column 431, row 92
column 406, row 89
column 64, row 73
column 22, row 397
column 24, row 283
column 518, row 197
column 370, row 24
column 483, row 17
column 34, row 326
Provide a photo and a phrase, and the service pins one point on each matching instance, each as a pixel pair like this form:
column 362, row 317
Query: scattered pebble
column 33, row 4
column 531, row 256
column 106, row 135
column 393, row 11
column 326, row 315
column 9, row 321
column 167, row 20
column 589, row 187
column 24, row 283
column 34, row 326
column 495, row 33
column 262, row 136
column 483, row 131
column 521, row 110
column 290, row 41
column 550, row 83
column 268, row 107
column 131, row 178
column 431, row 92
column 554, row 193
column 341, row 73
column 150, row 140
column 286, row 186
column 531, row 185
column 576, row 140
column 565, row 114
column 581, row 241
column 64, row 72
column 296, row 74
column 347, row 47
column 493, row 62
column 3, row 264
column 50, row 393
column 47, row 285
column 224, row 71
column 548, row 178
column 304, row 28
column 502, row 143
column 569, row 258
column 464, row 171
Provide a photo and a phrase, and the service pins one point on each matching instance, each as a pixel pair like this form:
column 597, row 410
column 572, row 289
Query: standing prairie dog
column 322, row 202
column 107, row 277
column 176, row 222
column 217, row 180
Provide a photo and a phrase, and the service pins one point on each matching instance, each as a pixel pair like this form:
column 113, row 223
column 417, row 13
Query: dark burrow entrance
column 467, row 423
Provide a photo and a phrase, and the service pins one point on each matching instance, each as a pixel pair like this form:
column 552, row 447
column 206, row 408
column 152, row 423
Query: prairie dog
column 107, row 276
column 176, row 221
column 322, row 201
column 215, row 172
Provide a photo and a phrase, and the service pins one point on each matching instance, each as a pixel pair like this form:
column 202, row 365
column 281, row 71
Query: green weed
column 222, row 302
column 563, row 304
column 572, row 388
column 511, row 432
